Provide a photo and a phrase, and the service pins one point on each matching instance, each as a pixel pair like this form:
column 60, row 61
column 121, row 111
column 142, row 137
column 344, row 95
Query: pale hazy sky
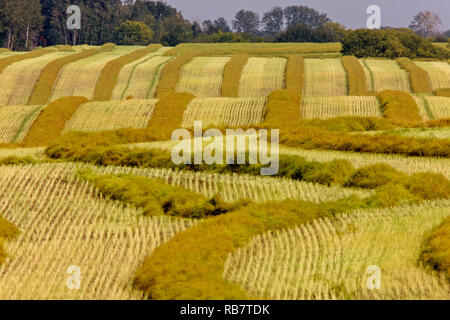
column 351, row 13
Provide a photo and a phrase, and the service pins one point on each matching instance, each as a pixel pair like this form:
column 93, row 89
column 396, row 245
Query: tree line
column 25, row 24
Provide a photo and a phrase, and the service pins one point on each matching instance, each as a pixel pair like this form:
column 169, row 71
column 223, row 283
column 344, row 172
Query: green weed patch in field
column 436, row 251
column 156, row 197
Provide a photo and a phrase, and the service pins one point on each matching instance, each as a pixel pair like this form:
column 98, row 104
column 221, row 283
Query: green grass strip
column 426, row 104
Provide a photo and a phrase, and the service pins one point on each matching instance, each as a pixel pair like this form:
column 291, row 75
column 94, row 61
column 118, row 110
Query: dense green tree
column 304, row 15
column 273, row 21
column 246, row 22
column 328, row 32
column 219, row 25
column 133, row 33
column 390, row 43
column 176, row 30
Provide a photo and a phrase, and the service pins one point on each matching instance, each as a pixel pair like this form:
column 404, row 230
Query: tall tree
column 426, row 24
column 304, row 15
column 273, row 21
column 246, row 21
column 221, row 24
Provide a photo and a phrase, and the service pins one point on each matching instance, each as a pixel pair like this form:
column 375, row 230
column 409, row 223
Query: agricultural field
column 139, row 79
column 439, row 73
column 98, row 116
column 220, row 112
column 89, row 181
column 56, row 214
column 79, row 78
column 18, row 79
column 324, row 78
column 203, row 76
column 439, row 106
column 384, row 74
column 331, row 107
column 15, row 121
column 328, row 259
column 261, row 76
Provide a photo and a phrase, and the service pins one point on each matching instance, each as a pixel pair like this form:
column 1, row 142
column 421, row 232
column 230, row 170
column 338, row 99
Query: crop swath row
column 15, row 121
column 139, row 79
column 439, row 106
column 325, row 77
column 433, row 107
column 18, row 80
column 232, row 112
column 79, row 78
column 330, row 107
column 203, row 76
column 259, row 49
column 328, row 259
column 408, row 165
column 439, row 73
column 261, row 76
column 111, row 115
column 424, row 108
column 384, row 74
column 235, row 187
column 65, row 222
column 5, row 54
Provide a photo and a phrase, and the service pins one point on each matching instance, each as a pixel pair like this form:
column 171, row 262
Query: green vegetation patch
column 436, row 251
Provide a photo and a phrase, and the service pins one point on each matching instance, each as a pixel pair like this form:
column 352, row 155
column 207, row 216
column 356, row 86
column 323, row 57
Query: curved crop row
column 44, row 85
column 202, row 76
column 329, row 258
column 382, row 74
column 15, row 121
column 139, row 80
column 5, row 62
column 331, row 107
column 78, row 78
column 261, row 76
column 111, row 115
column 51, row 121
column 420, row 80
column 110, row 73
column 399, row 107
column 294, row 77
column 438, row 71
column 56, row 214
column 356, row 78
column 170, row 74
column 325, row 77
column 232, row 75
column 225, row 112
column 19, row 79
